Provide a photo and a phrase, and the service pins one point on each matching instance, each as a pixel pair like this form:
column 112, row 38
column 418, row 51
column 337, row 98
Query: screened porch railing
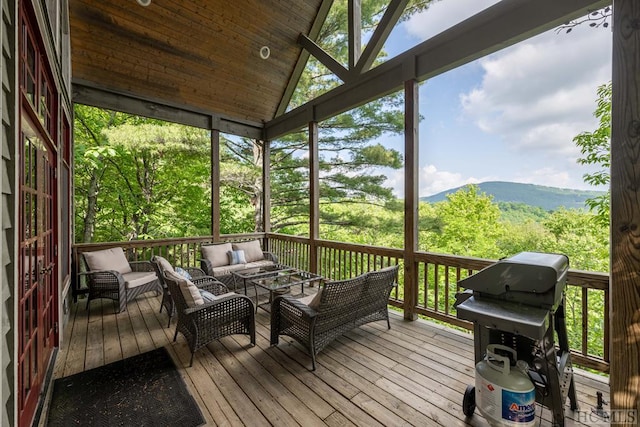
column 587, row 296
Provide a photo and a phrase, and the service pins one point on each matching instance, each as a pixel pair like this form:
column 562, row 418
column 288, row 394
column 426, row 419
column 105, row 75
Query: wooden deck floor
column 414, row 374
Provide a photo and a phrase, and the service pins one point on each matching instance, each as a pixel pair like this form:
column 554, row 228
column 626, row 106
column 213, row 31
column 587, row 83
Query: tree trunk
column 256, row 198
column 89, row 219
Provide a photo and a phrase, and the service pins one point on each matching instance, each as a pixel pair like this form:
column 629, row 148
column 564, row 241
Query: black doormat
column 143, row 390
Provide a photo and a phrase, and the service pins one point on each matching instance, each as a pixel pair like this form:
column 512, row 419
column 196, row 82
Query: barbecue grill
column 518, row 303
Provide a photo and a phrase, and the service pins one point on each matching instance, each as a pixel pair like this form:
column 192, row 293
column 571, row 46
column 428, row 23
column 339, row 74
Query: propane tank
column 506, row 397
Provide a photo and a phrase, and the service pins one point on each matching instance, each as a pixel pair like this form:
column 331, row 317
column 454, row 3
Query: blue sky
column 510, row 116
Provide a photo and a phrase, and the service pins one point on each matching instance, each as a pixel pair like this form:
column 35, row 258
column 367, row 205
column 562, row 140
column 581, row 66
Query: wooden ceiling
column 200, row 55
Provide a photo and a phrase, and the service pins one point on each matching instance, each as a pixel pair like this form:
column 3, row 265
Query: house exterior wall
column 52, row 18
column 8, row 219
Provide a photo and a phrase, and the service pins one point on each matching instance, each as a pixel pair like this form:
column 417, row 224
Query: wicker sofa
column 337, row 308
column 221, row 259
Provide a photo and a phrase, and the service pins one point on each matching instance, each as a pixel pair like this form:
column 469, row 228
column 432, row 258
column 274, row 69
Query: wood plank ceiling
column 200, row 55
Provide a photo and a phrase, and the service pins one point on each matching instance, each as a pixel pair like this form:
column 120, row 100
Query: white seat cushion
column 227, row 269
column 313, row 301
column 138, row 278
column 262, row 263
column 216, row 254
column 108, row 259
column 252, row 250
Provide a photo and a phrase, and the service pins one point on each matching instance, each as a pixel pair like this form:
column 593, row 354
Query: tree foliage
column 139, row 178
column 595, row 148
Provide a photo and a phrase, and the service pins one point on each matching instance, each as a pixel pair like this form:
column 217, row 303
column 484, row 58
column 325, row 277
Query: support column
column 411, row 165
column 624, row 286
column 215, row 184
column 266, row 186
column 314, row 196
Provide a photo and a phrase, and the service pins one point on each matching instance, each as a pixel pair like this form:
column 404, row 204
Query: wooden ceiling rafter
column 499, row 26
column 359, row 61
column 301, row 62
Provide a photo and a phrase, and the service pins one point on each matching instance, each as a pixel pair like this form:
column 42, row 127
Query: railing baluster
column 585, row 322
column 446, row 290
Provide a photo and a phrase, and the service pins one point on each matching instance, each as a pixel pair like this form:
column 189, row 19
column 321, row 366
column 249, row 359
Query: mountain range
column 547, row 198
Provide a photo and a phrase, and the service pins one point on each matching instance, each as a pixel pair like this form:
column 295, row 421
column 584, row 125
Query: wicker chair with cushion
column 337, row 308
column 195, row 274
column 110, row 275
column 210, row 315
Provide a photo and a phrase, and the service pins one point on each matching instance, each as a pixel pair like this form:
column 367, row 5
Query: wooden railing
column 587, row 296
column 184, row 251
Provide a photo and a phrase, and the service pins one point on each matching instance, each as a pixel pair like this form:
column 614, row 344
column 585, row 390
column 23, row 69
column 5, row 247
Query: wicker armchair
column 198, row 277
column 110, row 275
column 228, row 315
column 337, row 308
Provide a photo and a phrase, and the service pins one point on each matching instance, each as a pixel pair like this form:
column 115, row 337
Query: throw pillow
column 164, row 264
column 108, row 259
column 236, row 257
column 184, row 273
column 188, row 289
column 252, row 250
column 216, row 254
column 315, row 302
column 207, row 296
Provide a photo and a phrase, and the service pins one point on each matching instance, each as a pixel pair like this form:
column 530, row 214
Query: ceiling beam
column 380, row 35
column 499, row 26
column 325, row 58
column 321, row 16
column 355, row 31
column 89, row 94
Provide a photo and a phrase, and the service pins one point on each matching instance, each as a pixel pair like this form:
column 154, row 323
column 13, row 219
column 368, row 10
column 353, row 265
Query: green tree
column 469, row 224
column 595, row 148
column 157, row 159
column 92, row 155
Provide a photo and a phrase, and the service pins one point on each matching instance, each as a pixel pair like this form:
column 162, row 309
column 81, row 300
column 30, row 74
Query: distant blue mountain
column 547, row 198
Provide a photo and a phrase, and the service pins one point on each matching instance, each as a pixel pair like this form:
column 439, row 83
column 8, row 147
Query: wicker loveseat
column 337, row 308
column 221, row 259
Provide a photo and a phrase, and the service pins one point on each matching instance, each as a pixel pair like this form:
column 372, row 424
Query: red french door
column 38, row 219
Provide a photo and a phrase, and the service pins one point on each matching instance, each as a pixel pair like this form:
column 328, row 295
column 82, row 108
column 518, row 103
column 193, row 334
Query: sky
column 510, row 116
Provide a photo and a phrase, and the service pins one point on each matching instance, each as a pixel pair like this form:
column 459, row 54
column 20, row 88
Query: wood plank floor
column 414, row 374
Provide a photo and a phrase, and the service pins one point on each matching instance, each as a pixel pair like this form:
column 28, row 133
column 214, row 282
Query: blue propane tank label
column 519, row 407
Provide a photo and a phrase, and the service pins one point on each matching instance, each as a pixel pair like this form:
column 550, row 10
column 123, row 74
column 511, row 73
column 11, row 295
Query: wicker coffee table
column 283, row 280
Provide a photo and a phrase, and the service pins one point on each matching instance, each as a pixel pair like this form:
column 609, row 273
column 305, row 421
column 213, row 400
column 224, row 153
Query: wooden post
column 266, row 186
column 624, row 285
column 411, row 122
column 215, row 184
column 314, row 196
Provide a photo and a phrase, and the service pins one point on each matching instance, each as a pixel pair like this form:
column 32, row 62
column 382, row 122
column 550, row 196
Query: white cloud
column 541, row 93
column 432, row 181
column 442, row 15
column 547, row 176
